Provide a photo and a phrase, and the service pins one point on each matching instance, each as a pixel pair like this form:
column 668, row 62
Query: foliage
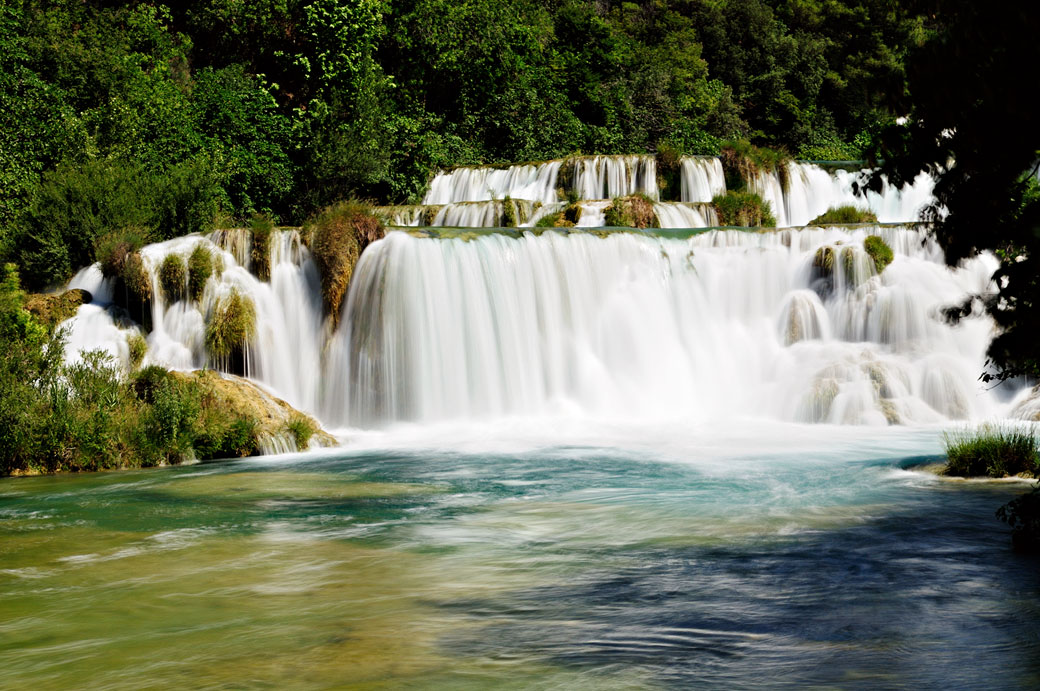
column 1023, row 515
column 987, row 124
column 742, row 162
column 879, row 251
column 564, row 218
column 743, row 209
column 991, row 450
column 337, row 236
column 200, row 268
column 138, row 348
column 844, row 215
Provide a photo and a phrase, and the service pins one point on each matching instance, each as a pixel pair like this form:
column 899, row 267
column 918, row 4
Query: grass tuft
column 991, row 451
column 173, row 277
column 261, row 228
column 844, row 215
column 200, row 268
column 231, row 325
column 879, row 251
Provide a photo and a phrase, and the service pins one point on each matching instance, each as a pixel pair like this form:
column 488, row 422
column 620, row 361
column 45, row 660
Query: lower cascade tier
column 792, row 325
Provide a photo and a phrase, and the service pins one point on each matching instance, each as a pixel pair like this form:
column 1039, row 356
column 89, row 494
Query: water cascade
column 809, row 191
column 478, row 197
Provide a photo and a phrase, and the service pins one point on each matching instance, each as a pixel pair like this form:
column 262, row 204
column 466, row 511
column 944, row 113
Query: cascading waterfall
column 792, row 325
column 475, row 197
column 810, row 191
column 702, row 178
column 725, row 323
column 606, row 177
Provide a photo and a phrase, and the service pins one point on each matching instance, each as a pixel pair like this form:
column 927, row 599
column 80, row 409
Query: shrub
column 200, row 268
column 844, row 215
column 508, row 213
column 743, row 209
column 231, row 325
column 301, row 428
column 173, row 277
column 138, row 348
column 261, row 228
column 337, row 237
column 113, row 248
column 879, row 251
column 145, row 382
column 992, row 451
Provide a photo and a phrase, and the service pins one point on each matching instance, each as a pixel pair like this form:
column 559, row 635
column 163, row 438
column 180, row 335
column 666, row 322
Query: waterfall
column 792, row 325
column 702, row 178
column 526, row 181
column 606, row 177
column 672, row 215
column 725, row 323
column 811, row 190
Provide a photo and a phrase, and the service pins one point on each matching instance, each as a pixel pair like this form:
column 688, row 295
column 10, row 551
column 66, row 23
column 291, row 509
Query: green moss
column 879, row 251
column 138, row 347
column 200, row 268
column 844, row 215
column 509, row 214
column 992, row 451
column 173, row 277
column 337, row 237
column 743, row 209
column 231, row 325
column 564, row 218
column 261, row 228
column 429, row 214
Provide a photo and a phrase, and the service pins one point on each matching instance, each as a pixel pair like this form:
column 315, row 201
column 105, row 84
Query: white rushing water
column 811, row 191
column 723, row 325
column 701, row 178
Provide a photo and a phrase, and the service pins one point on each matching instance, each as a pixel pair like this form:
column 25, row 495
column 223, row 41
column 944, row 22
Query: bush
column 261, row 228
column 173, row 277
column 879, row 251
column 743, row 209
column 337, row 237
column 844, row 215
column 200, row 268
column 742, row 161
column 114, row 247
column 991, row 451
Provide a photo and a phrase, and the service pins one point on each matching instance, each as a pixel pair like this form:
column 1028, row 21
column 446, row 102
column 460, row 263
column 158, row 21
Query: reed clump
column 200, row 268
column 879, row 251
column 173, row 277
column 991, row 451
column 231, row 325
column 261, row 228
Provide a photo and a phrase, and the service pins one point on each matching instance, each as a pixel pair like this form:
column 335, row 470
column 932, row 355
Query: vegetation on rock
column 844, row 215
column 261, row 228
column 200, row 268
column 337, row 237
column 879, row 251
column 635, row 211
column 173, row 277
column 230, row 326
column 743, row 209
column 51, row 310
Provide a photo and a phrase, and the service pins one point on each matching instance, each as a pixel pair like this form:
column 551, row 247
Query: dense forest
column 170, row 119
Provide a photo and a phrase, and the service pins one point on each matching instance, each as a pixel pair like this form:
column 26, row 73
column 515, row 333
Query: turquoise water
column 790, row 556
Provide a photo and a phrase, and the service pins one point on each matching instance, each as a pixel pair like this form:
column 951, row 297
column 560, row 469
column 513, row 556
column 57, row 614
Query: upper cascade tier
column 523, row 194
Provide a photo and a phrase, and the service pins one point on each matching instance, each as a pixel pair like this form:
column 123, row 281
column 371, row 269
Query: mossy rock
column 635, row 211
column 509, row 213
column 567, row 217
column 429, row 214
column 742, row 161
column 879, row 251
column 261, row 228
column 51, row 310
column 337, row 237
column 844, row 215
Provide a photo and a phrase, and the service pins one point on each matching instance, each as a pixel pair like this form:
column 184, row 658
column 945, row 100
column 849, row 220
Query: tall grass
column 991, row 451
